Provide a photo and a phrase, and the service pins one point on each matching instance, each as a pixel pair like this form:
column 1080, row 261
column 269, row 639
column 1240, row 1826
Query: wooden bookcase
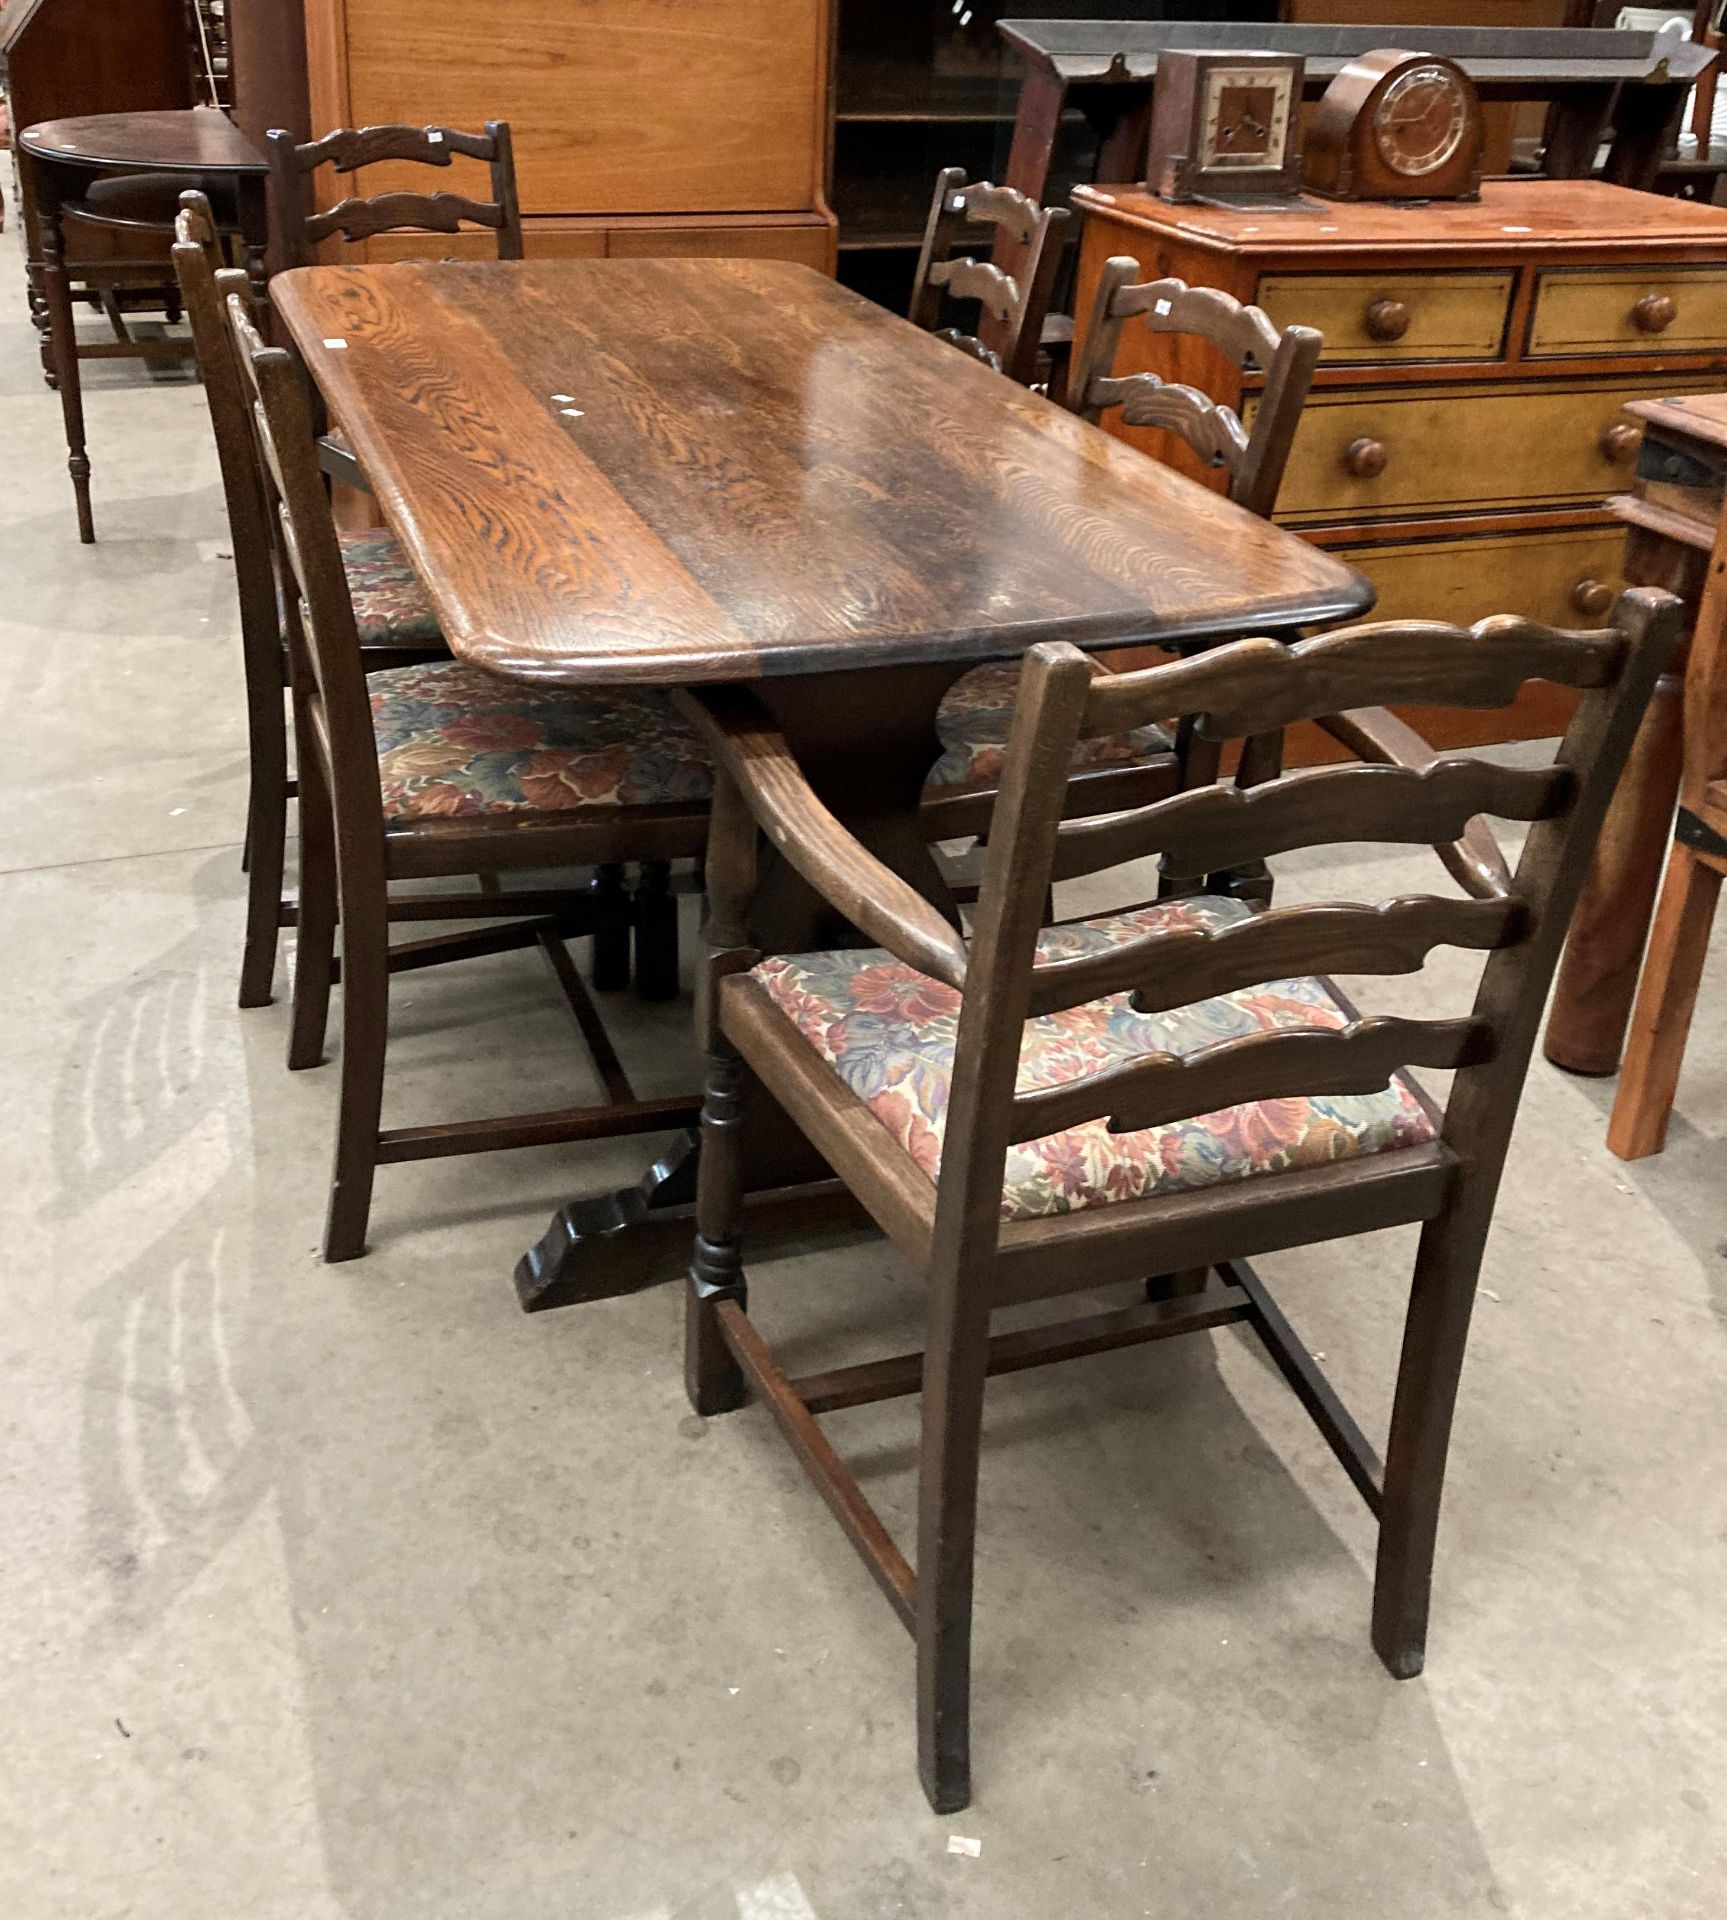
column 686, row 127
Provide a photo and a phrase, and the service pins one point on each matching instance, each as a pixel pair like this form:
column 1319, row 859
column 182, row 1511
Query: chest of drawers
column 1467, row 423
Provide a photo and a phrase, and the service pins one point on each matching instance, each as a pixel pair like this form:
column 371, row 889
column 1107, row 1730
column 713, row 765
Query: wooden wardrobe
column 677, row 127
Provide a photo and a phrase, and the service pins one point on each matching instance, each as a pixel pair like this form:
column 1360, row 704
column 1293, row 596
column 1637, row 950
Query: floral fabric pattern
column 977, row 716
column 390, row 605
column 455, row 742
column 888, row 1032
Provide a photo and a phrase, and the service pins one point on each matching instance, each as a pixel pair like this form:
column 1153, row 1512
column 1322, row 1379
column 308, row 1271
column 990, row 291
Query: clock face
column 1420, row 120
column 1246, row 121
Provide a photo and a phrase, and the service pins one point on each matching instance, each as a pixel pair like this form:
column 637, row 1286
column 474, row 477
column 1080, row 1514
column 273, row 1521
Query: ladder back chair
column 1041, row 1111
column 356, row 218
column 394, row 621
column 359, row 217
column 396, row 626
column 1253, row 460
column 437, row 770
column 1012, row 291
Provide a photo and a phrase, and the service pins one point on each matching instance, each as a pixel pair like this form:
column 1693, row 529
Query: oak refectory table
column 684, row 472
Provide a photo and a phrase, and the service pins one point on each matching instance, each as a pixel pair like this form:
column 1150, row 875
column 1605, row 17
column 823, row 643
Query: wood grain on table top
column 681, row 471
column 180, row 139
column 1523, row 214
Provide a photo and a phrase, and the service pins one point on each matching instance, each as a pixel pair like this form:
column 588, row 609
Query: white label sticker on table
column 564, row 399
column 336, row 346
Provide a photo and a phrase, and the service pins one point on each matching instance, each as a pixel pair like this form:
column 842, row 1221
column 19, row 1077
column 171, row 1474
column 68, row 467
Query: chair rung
column 536, row 1129
column 440, row 948
column 828, row 1473
column 569, row 908
column 1031, row 1347
column 1336, row 1424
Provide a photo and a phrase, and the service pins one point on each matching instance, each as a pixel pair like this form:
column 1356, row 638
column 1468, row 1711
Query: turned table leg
column 63, row 337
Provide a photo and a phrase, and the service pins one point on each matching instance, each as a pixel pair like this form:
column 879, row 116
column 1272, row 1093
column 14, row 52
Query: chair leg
column 365, row 1025
column 955, row 1363
column 712, row 1377
column 656, row 930
column 315, row 940
column 611, row 939
column 266, row 836
column 1666, row 998
column 1435, row 1333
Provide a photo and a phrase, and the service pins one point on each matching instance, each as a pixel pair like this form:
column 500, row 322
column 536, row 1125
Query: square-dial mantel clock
column 1223, row 127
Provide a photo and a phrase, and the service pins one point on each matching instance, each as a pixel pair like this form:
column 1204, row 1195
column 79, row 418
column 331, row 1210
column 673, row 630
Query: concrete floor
column 354, row 1592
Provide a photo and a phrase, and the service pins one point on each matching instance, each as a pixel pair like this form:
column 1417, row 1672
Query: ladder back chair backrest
column 205, row 287
column 1012, row 289
column 323, row 639
column 357, row 217
column 1234, row 692
column 1244, row 335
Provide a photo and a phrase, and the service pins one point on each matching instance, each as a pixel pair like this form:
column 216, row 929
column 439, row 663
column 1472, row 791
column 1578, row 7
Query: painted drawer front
column 1564, row 579
column 1395, row 316
column 1446, row 449
column 1625, row 310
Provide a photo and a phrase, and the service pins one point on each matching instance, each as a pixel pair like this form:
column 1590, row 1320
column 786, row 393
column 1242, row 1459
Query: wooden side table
column 126, row 171
column 1674, row 525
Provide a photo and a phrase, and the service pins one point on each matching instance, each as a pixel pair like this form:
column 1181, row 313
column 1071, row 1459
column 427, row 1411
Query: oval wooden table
column 681, row 472
column 89, row 166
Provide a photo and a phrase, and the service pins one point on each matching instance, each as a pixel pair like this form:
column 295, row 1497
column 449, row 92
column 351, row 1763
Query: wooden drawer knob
column 1654, row 313
column 1621, row 441
column 1386, row 320
column 1592, row 598
column 1365, row 458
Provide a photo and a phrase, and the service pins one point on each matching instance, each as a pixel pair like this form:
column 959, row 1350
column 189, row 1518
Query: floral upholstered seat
column 977, row 715
column 888, row 1032
column 455, row 742
column 390, row 605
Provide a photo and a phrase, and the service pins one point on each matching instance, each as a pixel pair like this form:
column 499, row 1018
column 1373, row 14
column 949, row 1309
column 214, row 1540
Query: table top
column 1520, row 215
column 678, row 471
column 1126, row 50
column 179, row 140
column 1699, row 416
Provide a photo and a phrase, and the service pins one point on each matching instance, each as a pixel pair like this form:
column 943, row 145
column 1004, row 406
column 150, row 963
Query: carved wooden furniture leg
column 712, row 1377
column 1598, row 976
column 57, row 295
column 1666, row 999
